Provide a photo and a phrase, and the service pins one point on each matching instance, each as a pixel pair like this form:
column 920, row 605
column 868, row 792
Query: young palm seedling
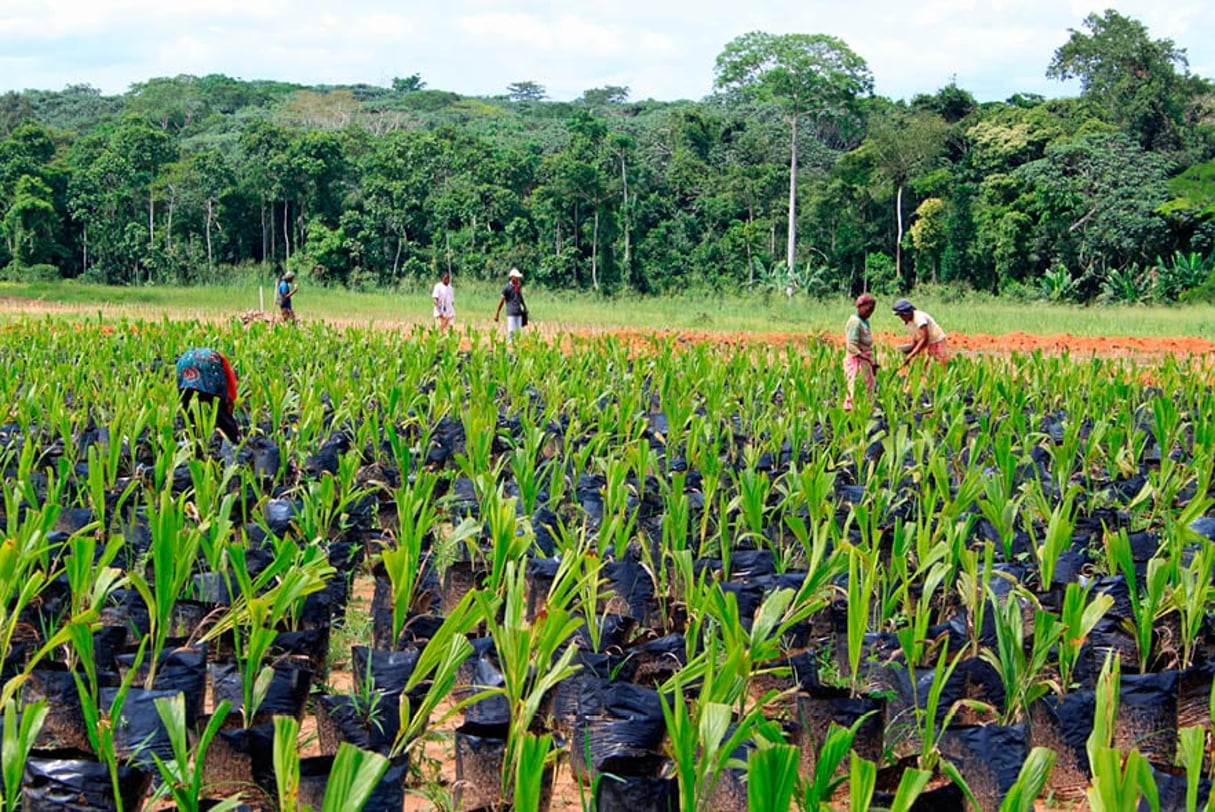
column 20, row 732
column 1119, row 779
column 1078, row 615
column 1148, row 600
column 353, row 778
column 702, row 729
column 1023, row 674
column 534, row 656
column 182, row 775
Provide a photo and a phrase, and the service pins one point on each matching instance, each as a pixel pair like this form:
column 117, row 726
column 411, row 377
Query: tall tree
column 526, row 91
column 904, row 145
column 809, row 75
column 408, row 84
column 1133, row 78
column 29, row 226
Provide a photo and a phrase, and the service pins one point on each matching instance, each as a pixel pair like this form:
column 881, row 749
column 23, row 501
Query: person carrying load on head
column 858, row 348
column 927, row 337
column 204, row 375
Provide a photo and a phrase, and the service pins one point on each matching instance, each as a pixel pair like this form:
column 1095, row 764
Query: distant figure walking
column 858, row 348
column 516, row 308
column 284, row 294
column 927, row 337
column 445, row 302
column 204, row 375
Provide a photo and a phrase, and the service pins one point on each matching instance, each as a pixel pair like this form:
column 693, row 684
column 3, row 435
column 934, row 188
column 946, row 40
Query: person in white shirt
column 445, row 302
column 927, row 337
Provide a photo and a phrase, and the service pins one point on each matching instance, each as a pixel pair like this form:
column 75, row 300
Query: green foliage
column 1058, row 285
column 1030, row 781
column 1133, row 78
column 18, row 740
column 184, row 178
column 881, row 277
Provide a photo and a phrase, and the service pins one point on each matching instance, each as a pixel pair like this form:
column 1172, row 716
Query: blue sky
column 661, row 49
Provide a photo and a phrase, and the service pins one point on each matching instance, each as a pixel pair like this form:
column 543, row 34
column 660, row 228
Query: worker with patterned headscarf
column 204, row 375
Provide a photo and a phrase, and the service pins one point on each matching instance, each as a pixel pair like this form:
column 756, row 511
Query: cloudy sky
column 661, row 49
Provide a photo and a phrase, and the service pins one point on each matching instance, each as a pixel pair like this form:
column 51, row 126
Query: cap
column 864, row 299
column 515, row 273
column 903, row 306
column 289, row 275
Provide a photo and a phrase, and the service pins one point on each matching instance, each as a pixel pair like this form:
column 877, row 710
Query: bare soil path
column 1136, row 348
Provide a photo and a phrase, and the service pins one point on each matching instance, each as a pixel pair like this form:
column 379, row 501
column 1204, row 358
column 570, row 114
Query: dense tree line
column 792, row 172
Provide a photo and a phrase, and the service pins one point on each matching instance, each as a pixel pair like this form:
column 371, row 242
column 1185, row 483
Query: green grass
column 736, row 312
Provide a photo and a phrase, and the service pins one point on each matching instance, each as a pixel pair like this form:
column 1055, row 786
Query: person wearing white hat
column 516, row 308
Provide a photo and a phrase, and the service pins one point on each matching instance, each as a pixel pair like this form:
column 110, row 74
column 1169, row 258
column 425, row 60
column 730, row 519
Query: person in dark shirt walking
column 516, row 308
column 284, row 294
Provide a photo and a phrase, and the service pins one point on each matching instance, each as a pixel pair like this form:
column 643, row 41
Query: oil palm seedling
column 1079, row 613
column 1191, row 599
column 182, row 776
column 1148, row 599
column 534, row 656
column 349, row 785
column 816, row 794
column 1035, row 772
column 703, row 730
column 19, row 734
column 1024, row 674
column 173, row 555
column 772, row 775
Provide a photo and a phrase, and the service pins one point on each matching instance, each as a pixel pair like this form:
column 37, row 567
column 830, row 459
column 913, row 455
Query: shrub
column 1204, row 292
column 40, row 272
column 880, row 274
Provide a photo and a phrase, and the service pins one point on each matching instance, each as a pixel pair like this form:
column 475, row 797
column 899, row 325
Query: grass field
column 475, row 303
